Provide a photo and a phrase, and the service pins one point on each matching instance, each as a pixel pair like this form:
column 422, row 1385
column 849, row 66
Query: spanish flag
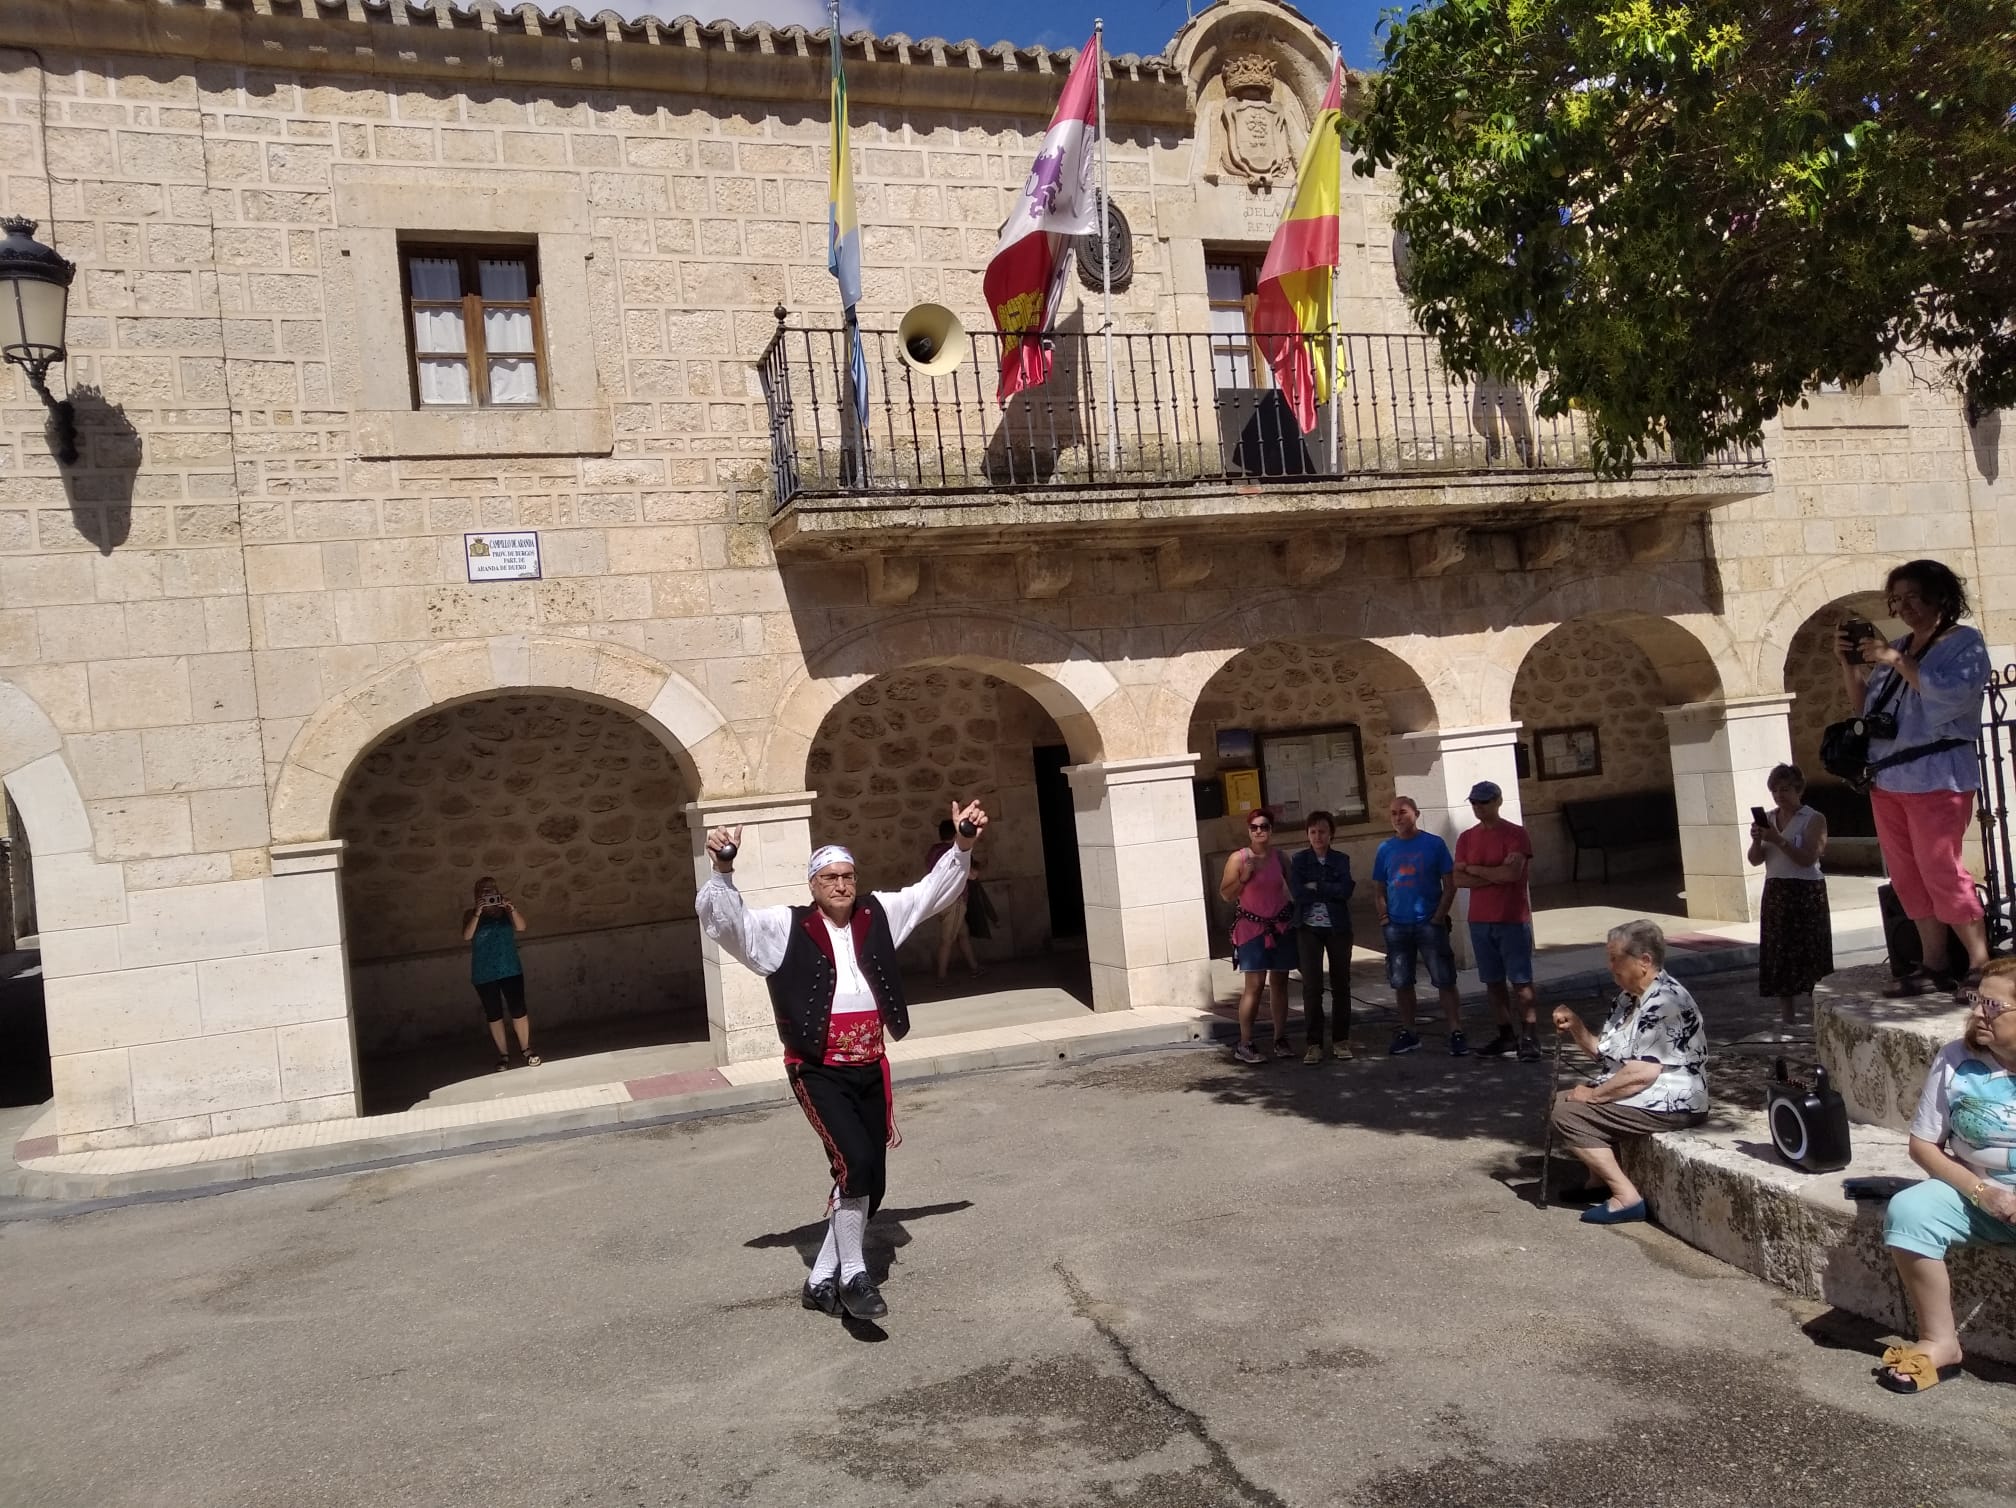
column 1297, row 301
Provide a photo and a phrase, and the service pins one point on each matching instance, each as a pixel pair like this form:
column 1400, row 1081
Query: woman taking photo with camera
column 1920, row 699
column 491, row 929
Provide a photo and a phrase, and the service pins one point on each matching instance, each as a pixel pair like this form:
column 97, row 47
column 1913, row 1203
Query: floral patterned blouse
column 1661, row 1026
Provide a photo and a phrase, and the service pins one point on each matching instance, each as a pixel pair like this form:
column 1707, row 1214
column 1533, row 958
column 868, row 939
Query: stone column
column 1144, row 891
column 769, row 871
column 306, row 974
column 1721, row 753
column 1437, row 767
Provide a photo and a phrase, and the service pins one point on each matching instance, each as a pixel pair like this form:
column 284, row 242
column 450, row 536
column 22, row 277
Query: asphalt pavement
column 1159, row 1281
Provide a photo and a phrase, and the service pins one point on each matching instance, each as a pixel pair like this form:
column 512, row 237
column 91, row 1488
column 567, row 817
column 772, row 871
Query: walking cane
column 1547, row 1137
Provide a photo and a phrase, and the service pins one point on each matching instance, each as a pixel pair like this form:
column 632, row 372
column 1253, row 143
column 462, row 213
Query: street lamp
column 34, row 304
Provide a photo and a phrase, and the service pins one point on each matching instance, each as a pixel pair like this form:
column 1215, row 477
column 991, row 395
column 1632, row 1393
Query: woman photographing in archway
column 491, row 929
column 1921, row 699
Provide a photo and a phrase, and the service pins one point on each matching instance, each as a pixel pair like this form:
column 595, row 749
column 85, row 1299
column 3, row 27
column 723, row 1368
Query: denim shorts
column 1404, row 940
column 1504, row 951
column 1259, row 955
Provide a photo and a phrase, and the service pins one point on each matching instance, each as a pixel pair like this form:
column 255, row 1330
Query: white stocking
column 850, row 1224
column 828, row 1261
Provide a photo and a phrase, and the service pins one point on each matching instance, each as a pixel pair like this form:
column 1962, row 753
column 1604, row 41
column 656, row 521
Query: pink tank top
column 1266, row 896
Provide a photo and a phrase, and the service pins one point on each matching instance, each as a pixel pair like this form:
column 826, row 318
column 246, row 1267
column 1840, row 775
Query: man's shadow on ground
column 887, row 1232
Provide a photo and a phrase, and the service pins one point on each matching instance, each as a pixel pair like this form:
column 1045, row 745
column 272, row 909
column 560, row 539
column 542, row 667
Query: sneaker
column 1529, row 1048
column 1499, row 1045
column 1312, row 1054
column 1341, row 1051
column 1283, row 1048
column 1459, row 1045
column 1404, row 1041
column 1244, row 1053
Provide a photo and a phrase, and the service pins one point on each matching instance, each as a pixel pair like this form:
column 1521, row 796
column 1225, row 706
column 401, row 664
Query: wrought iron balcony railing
column 1191, row 408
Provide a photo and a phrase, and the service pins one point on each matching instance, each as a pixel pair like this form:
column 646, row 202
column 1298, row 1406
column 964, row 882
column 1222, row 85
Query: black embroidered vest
column 802, row 987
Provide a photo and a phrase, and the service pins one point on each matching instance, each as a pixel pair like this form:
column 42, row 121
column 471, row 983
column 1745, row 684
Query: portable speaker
column 1809, row 1127
column 1900, row 937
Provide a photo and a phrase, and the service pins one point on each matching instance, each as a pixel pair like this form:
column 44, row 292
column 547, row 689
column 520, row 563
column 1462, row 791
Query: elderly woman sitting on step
column 1653, row 1050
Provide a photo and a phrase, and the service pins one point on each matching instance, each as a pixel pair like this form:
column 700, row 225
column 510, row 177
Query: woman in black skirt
column 1796, row 948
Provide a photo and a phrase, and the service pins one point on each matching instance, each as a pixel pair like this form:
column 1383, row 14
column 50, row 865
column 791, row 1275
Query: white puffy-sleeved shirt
column 757, row 938
column 1662, row 1026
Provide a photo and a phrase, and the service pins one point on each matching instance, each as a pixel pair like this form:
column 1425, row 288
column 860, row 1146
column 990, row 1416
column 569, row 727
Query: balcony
column 1192, row 440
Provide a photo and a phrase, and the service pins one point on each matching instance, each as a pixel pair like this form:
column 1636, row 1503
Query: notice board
column 1314, row 769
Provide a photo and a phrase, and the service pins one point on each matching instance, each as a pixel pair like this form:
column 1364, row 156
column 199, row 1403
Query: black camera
column 1855, row 630
column 492, row 900
column 1877, row 725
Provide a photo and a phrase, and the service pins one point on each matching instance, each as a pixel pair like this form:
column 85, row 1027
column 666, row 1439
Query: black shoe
column 1529, row 1048
column 1459, row 1045
column 823, row 1295
column 1503, row 1043
column 861, row 1298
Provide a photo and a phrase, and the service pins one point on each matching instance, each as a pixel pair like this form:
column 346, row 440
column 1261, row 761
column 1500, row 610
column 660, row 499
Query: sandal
column 533, row 1060
column 1904, row 1369
column 503, row 1061
column 1909, row 986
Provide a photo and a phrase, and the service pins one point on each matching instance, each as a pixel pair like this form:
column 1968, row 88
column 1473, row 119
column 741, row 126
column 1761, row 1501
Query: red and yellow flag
column 1297, row 295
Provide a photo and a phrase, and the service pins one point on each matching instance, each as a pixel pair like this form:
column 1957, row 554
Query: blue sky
column 1143, row 26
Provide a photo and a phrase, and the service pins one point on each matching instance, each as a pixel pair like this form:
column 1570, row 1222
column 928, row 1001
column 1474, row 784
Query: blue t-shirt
column 493, row 951
column 1411, row 869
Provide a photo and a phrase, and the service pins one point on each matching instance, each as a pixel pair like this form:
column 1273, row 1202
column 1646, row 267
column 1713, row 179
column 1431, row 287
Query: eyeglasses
column 833, row 879
column 1259, row 827
column 1987, row 1005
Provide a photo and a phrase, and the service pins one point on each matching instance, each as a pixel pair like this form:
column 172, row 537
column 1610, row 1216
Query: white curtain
column 444, row 382
column 435, row 277
column 514, row 380
column 508, row 331
column 505, row 280
column 438, row 332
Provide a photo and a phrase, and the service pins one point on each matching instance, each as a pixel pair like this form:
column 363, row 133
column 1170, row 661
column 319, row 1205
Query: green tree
column 1681, row 216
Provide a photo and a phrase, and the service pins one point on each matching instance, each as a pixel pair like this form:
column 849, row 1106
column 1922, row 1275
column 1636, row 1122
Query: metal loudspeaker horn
column 931, row 340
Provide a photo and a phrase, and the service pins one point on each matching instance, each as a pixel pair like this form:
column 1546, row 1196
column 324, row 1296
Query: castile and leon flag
column 1296, row 304
column 1025, row 280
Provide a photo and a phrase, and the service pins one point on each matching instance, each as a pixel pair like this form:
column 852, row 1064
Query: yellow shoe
column 1312, row 1054
column 1341, row 1051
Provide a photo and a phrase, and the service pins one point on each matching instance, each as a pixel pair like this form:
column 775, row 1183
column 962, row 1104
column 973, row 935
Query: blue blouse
column 1951, row 679
column 493, row 950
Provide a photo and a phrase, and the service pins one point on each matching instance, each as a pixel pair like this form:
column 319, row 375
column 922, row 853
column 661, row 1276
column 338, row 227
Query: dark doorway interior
column 24, row 1031
column 1060, row 842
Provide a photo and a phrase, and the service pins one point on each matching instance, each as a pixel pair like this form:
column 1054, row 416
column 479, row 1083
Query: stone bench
column 1723, row 1190
column 1877, row 1051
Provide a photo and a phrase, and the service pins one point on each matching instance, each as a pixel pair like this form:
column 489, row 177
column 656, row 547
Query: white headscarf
column 832, row 853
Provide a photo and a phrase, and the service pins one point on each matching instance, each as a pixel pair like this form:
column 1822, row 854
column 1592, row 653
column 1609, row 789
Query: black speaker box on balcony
column 1809, row 1126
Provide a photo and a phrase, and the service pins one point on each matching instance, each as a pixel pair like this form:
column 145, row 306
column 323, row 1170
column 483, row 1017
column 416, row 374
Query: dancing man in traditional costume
column 836, row 989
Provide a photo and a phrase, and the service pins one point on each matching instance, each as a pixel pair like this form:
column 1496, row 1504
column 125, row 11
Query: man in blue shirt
column 1414, row 888
column 1320, row 884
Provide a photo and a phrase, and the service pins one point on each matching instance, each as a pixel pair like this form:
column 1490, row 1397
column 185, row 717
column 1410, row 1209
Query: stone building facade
column 263, row 731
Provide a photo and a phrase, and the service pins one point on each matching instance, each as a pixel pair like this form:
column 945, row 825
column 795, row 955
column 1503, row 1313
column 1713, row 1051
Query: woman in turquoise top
column 491, row 929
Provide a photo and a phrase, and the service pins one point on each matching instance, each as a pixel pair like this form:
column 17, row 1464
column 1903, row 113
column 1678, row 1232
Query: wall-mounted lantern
column 34, row 305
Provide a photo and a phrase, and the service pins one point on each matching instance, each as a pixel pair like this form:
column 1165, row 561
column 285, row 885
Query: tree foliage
column 1681, row 216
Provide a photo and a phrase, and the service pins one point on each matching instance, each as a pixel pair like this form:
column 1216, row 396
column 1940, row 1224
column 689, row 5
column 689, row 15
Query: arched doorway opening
column 1307, row 724
column 25, row 1074
column 576, row 808
column 886, row 763
column 1813, row 676
column 1597, row 767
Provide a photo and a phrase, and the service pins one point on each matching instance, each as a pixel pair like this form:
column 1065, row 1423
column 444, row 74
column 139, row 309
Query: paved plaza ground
column 1157, row 1281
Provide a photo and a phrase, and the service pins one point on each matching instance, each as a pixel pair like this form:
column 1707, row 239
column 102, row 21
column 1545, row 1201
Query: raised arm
column 754, row 939
column 914, row 904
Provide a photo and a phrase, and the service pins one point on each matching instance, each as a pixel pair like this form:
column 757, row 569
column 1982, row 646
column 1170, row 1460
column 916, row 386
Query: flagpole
column 1106, row 255
column 1336, row 272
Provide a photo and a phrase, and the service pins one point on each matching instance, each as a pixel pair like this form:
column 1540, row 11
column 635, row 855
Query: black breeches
column 847, row 1106
column 498, row 995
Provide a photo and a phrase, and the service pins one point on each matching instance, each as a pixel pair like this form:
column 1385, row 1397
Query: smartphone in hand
column 1757, row 817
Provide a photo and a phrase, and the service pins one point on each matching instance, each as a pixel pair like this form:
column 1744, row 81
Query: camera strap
column 1916, row 751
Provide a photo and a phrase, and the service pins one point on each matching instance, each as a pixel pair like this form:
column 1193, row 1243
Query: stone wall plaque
column 503, row 557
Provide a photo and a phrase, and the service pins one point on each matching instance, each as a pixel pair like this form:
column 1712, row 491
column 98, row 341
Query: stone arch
column 1286, row 617
column 71, row 890
column 1690, row 646
column 1840, row 580
column 1092, row 710
column 706, row 749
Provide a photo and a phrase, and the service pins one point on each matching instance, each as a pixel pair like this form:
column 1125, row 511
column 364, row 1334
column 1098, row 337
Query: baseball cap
column 1485, row 790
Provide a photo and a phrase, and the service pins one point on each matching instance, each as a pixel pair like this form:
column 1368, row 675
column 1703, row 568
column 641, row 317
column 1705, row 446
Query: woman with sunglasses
column 1256, row 883
column 1964, row 1137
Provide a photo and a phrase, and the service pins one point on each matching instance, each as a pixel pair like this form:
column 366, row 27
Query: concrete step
column 1877, row 1051
column 1722, row 1189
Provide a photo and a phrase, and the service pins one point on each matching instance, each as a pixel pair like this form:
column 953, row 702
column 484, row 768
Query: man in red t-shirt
column 1491, row 863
